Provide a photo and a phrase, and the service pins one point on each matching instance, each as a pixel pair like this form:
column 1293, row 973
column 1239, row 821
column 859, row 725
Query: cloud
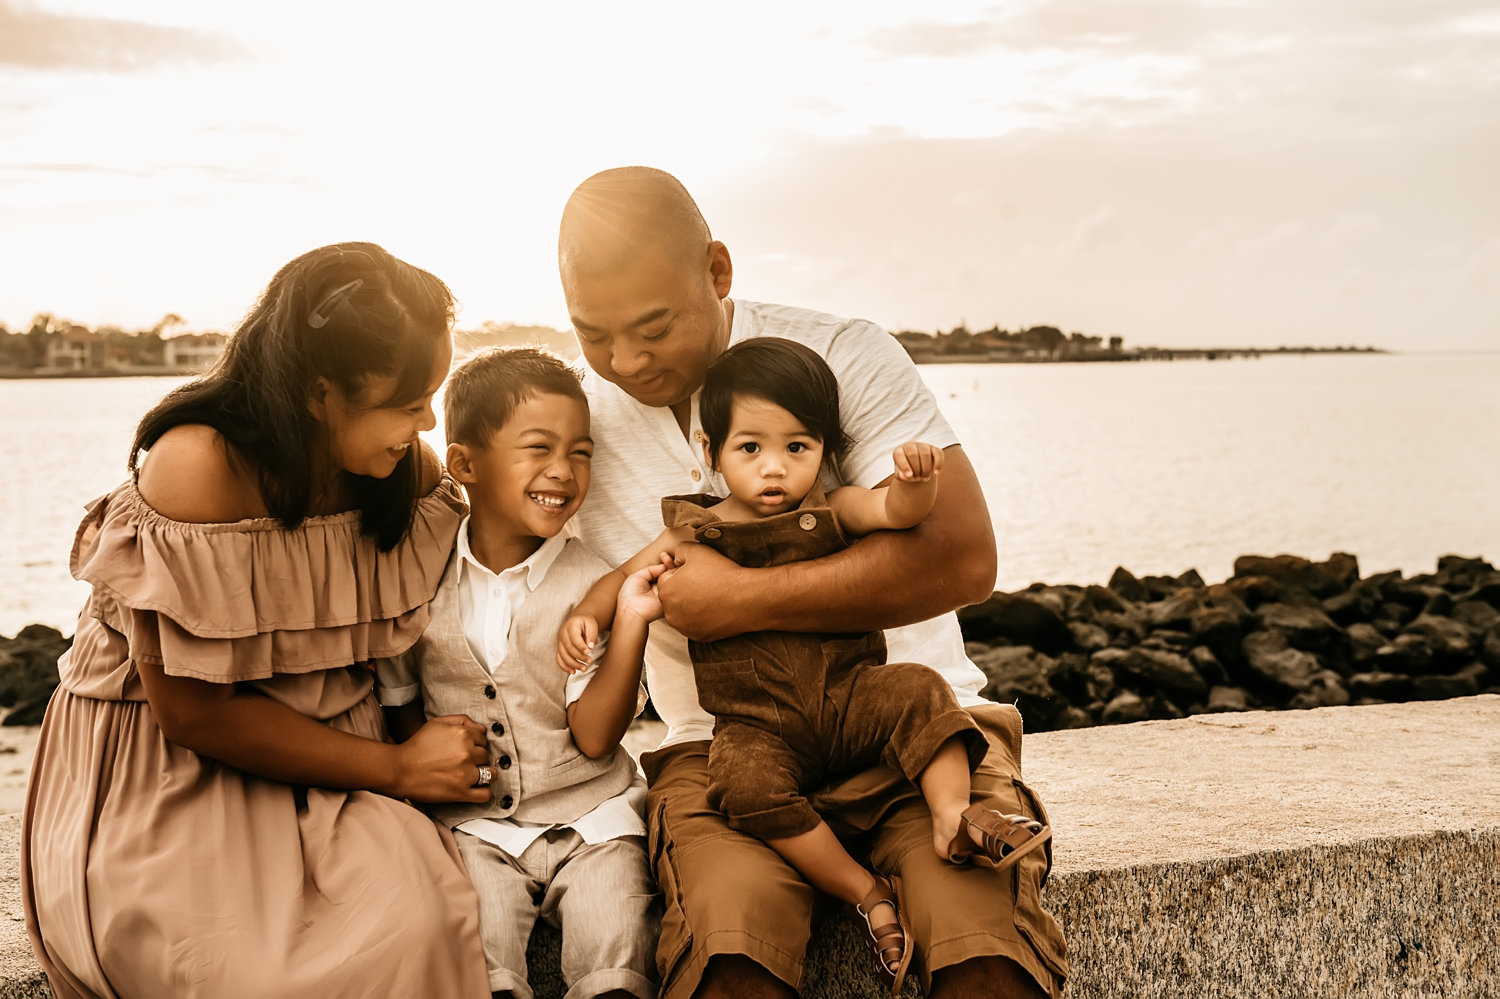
column 33, row 40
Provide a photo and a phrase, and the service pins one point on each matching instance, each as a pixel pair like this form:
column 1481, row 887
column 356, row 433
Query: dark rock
column 1456, row 573
column 1219, row 629
column 1088, row 637
column 1098, row 599
column 1440, row 688
column 1294, row 573
column 1024, row 619
column 1208, row 665
column 1227, row 699
column 1126, row 706
column 41, row 634
column 1306, row 627
column 28, row 665
column 1176, row 608
column 1489, row 650
column 1273, row 661
column 1380, row 686
column 1160, row 587
column 1124, row 628
column 1190, row 578
column 1439, row 604
column 1477, row 614
column 1126, row 585
column 1084, row 681
column 1390, row 617
column 1326, row 691
column 1167, row 638
column 1412, row 594
column 1364, row 639
column 1253, row 590
column 1158, row 706
column 1165, row 671
column 1404, row 654
column 1487, row 589
column 1449, row 640
column 1071, row 717
column 1020, row 675
column 28, row 712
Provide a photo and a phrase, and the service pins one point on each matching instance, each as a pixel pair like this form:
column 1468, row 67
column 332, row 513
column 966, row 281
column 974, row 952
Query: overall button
column 489, row 691
column 506, row 801
column 497, row 728
column 504, row 762
column 807, row 522
column 713, row 532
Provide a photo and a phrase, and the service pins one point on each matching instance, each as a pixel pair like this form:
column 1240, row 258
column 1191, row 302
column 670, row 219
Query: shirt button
column 699, row 435
column 489, row 691
column 506, row 801
column 712, row 532
column 697, row 475
column 497, row 728
column 504, row 762
column 807, row 522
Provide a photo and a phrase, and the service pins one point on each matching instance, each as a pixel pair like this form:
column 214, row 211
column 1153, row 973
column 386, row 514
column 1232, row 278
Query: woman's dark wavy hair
column 782, row 371
column 308, row 324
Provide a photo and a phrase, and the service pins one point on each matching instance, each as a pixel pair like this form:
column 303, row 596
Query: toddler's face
column 768, row 459
column 534, row 474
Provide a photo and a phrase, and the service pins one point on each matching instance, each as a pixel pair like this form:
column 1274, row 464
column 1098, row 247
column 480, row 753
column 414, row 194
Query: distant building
column 193, row 351
column 77, row 349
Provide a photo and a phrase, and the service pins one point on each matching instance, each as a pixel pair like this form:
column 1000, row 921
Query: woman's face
column 367, row 436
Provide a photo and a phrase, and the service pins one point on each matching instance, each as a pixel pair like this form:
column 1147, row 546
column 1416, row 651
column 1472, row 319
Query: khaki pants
column 728, row 893
column 599, row 895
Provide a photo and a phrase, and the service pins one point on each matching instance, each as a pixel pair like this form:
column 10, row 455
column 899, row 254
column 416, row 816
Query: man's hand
column 697, row 594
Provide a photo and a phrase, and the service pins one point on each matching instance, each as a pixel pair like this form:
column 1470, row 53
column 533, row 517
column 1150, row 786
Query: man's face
column 650, row 324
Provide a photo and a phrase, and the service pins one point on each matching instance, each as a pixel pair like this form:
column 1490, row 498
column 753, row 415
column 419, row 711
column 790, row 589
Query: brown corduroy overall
column 793, row 710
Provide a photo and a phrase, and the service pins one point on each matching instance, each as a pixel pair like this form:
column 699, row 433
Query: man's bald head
column 618, row 212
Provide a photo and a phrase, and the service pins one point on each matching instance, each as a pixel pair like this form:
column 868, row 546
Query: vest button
column 506, row 801
column 504, row 762
column 807, row 522
column 489, row 691
column 497, row 728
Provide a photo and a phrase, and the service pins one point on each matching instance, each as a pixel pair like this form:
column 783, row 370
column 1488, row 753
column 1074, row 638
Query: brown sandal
column 891, row 942
column 1004, row 839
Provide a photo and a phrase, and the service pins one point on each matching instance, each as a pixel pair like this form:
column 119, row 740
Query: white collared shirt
column 488, row 602
column 640, row 455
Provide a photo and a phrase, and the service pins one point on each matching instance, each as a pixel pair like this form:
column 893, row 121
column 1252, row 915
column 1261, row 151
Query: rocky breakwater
column 28, row 672
column 1282, row 632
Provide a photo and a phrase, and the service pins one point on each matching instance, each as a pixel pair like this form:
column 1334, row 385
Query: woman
column 213, row 808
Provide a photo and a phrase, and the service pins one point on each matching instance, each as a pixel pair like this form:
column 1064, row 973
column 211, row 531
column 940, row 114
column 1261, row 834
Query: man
column 647, row 288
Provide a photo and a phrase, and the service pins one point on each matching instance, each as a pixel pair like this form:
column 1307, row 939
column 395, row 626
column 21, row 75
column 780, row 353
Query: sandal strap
column 886, row 940
column 1001, row 832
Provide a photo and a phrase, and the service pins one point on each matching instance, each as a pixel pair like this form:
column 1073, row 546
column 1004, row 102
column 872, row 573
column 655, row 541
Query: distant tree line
column 1035, row 342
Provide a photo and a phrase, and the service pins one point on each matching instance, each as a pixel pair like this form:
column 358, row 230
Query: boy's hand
column 638, row 596
column 575, row 643
column 917, row 462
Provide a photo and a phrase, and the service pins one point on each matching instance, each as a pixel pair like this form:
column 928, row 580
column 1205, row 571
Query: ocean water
column 1159, row 467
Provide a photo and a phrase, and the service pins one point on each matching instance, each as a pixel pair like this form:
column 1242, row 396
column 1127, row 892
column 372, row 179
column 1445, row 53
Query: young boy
column 562, row 835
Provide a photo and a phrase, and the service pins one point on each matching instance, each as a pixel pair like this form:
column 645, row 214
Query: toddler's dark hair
column 781, row 371
column 486, row 389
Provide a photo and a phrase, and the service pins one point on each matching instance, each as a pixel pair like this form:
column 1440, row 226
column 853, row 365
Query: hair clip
column 318, row 318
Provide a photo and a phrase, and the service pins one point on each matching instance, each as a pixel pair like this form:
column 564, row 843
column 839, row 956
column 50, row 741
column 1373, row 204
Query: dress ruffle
column 246, row 600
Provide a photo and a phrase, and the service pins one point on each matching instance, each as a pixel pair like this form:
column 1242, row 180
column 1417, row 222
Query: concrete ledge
column 1334, row 852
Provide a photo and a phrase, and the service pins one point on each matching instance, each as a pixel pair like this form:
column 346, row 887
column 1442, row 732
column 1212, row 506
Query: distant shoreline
column 49, row 374
column 1140, row 354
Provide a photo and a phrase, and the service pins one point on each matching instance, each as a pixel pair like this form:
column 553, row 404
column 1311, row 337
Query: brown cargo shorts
column 728, row 893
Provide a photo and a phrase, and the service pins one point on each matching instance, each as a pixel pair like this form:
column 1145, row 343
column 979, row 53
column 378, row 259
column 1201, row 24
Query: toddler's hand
column 638, row 596
column 575, row 643
column 917, row 462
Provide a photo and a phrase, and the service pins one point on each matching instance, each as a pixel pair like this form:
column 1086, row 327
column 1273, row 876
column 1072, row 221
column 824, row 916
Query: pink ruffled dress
column 148, row 870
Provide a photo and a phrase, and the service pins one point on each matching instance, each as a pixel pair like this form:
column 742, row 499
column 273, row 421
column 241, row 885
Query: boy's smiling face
column 534, row 472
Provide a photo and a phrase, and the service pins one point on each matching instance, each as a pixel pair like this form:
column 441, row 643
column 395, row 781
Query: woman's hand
column 441, row 762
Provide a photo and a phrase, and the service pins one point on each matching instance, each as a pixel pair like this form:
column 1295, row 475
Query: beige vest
column 540, row 775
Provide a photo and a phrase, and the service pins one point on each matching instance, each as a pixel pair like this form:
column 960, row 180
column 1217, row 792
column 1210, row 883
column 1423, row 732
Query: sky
column 1209, row 173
